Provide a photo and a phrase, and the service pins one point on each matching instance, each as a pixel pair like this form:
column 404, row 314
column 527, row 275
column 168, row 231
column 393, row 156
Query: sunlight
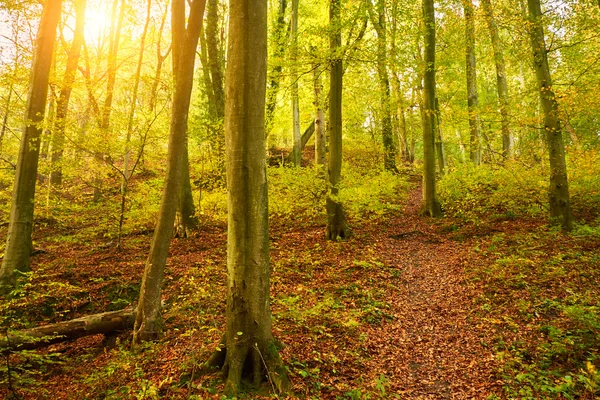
column 97, row 23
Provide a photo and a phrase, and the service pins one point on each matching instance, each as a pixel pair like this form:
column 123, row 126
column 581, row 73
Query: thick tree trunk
column 560, row 203
column 35, row 338
column 336, row 218
column 18, row 244
column 62, row 106
column 296, row 150
column 431, row 205
column 148, row 321
column 472, row 93
column 502, row 85
column 248, row 350
column 279, row 44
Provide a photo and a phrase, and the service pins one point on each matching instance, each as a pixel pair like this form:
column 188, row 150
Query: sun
column 97, row 22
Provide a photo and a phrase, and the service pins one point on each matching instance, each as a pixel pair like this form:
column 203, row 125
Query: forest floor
column 394, row 312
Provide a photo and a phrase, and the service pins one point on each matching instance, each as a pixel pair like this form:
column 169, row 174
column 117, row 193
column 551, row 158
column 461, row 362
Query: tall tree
column 320, row 140
column 148, row 320
column 431, row 205
column 560, row 203
column 62, row 105
column 248, row 349
column 389, row 148
column 18, row 244
column 336, row 218
column 185, row 205
column 297, row 147
column 472, row 92
column 502, row 85
column 279, row 44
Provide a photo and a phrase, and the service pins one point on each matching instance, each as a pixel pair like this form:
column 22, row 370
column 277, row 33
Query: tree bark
column 148, row 321
column 279, row 44
column 319, row 123
column 336, row 218
column 502, row 85
column 35, row 338
column 439, row 143
column 62, row 105
column 389, row 148
column 560, row 203
column 18, row 244
column 472, row 93
column 248, row 350
column 296, row 150
column 431, row 205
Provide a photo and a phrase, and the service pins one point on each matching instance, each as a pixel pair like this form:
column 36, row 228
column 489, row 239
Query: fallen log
column 34, row 338
column 305, row 138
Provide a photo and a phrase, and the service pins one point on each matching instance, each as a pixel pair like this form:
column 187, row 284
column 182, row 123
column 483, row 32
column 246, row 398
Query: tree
column 502, row 85
column 297, row 150
column 18, row 244
column 62, row 105
column 389, row 148
column 336, row 218
column 560, row 203
column 148, row 320
column 320, row 140
column 279, row 43
column 248, row 349
column 431, row 205
column 472, row 92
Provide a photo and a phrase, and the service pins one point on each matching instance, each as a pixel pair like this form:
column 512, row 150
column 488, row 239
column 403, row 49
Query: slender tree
column 148, row 320
column 502, row 85
column 279, row 43
column 18, row 244
column 297, row 147
column 431, row 205
column 336, row 218
column 248, row 349
column 185, row 205
column 472, row 93
column 320, row 140
column 560, row 203
column 389, row 148
column 62, row 105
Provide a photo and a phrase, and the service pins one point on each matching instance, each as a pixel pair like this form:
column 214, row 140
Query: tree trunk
column 186, row 209
column 507, row 140
column 18, row 244
column 472, row 93
column 160, row 59
column 560, row 203
column 148, row 320
column 431, row 206
column 296, row 150
column 35, row 338
column 336, row 218
column 248, row 350
column 439, row 143
column 62, row 106
column 389, row 148
column 279, row 45
column 320, row 142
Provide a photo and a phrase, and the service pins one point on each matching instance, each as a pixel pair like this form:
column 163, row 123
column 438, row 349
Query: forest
column 300, row 199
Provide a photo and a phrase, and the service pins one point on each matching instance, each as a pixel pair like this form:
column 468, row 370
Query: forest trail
column 434, row 345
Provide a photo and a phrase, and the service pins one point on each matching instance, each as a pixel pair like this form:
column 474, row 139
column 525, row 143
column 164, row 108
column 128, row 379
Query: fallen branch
column 104, row 323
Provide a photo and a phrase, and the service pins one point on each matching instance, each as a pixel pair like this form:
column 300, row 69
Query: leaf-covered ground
column 409, row 308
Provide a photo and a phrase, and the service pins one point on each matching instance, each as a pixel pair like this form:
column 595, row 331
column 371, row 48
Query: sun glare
column 97, row 23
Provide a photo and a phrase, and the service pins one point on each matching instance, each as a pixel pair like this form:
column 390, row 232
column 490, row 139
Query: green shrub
column 471, row 193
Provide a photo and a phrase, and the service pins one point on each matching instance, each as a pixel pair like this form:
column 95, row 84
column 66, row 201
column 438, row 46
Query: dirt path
column 433, row 349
